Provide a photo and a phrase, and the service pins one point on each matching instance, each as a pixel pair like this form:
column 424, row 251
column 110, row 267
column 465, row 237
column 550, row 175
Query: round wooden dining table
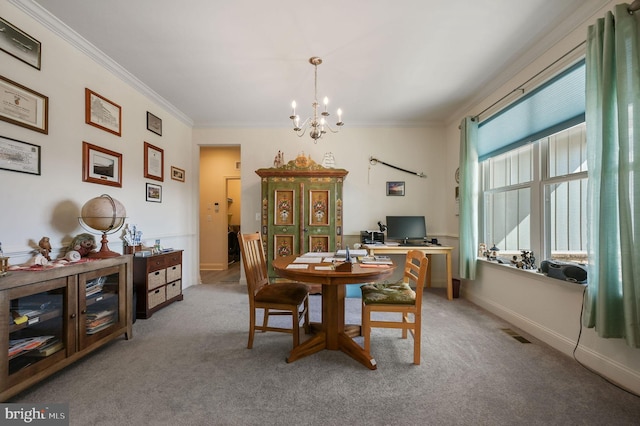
column 332, row 334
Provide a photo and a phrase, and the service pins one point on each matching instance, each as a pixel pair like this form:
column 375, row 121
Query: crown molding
column 59, row 28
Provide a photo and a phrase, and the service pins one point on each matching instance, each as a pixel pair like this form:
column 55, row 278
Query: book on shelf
column 48, row 349
column 20, row 346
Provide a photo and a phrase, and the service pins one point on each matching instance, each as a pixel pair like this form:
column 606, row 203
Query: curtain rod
column 520, row 88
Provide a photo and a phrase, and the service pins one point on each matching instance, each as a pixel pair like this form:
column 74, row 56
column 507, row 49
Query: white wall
column 365, row 199
column 546, row 308
column 49, row 204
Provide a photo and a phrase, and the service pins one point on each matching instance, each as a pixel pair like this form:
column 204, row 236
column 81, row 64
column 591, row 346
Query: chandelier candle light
column 316, row 123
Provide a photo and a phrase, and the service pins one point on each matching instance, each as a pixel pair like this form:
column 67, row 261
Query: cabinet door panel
column 37, row 328
column 102, row 303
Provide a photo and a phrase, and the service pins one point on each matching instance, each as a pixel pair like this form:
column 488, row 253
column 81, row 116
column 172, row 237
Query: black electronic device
column 407, row 229
column 371, row 237
column 566, row 271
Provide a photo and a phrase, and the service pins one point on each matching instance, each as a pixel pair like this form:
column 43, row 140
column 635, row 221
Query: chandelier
column 316, row 124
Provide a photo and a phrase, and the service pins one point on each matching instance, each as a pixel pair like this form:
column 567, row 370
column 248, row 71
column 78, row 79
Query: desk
column 429, row 250
column 333, row 335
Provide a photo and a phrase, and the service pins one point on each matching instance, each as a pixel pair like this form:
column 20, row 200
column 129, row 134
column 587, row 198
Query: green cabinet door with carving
column 301, row 209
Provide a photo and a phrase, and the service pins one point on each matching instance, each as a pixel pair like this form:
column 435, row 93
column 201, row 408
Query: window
column 565, row 195
column 534, row 197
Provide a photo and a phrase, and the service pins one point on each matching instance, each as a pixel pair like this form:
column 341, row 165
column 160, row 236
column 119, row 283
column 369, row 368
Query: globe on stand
column 103, row 214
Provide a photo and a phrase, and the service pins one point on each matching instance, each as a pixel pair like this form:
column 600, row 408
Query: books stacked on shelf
column 47, row 349
column 19, row 347
column 99, row 320
column 94, row 287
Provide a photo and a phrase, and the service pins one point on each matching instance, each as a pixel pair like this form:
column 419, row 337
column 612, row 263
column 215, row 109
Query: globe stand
column 104, row 252
column 104, row 215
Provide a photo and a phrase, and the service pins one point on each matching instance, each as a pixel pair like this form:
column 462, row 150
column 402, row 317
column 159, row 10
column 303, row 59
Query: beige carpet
column 188, row 365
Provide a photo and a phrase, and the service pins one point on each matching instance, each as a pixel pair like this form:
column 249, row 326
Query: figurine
column 528, row 260
column 84, row 244
column 279, row 160
column 45, row 247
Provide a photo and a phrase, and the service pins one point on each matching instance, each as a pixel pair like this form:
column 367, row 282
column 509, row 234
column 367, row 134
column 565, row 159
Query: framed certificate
column 153, row 162
column 22, row 106
column 19, row 156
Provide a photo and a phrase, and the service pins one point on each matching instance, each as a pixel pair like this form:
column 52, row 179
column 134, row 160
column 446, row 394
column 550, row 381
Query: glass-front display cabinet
column 54, row 316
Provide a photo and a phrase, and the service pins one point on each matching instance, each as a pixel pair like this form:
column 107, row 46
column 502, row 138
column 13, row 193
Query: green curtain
column 612, row 304
column 468, row 198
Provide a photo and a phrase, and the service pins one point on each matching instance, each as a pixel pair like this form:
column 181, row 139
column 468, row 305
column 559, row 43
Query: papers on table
column 307, row 259
column 324, row 268
column 318, row 254
column 297, row 266
column 352, row 253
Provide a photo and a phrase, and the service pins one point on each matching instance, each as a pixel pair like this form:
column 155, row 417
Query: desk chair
column 400, row 298
column 275, row 299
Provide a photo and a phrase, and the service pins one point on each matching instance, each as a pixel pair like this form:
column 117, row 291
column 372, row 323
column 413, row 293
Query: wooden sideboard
column 55, row 316
column 158, row 281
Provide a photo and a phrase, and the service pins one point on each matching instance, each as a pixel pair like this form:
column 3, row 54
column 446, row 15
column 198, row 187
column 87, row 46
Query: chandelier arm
column 326, row 125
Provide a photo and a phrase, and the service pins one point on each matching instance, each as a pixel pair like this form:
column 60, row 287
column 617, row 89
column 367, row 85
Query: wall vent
column 515, row 335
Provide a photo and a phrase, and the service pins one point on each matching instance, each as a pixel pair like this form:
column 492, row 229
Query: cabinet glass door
column 37, row 328
column 101, row 302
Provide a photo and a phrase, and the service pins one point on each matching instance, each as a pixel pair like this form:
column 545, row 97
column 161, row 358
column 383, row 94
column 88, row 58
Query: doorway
column 219, row 183
column 233, row 218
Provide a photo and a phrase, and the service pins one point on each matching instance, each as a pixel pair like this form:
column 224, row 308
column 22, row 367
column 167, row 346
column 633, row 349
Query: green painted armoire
column 301, row 208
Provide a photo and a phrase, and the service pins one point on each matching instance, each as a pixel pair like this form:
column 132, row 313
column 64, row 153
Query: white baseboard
column 602, row 365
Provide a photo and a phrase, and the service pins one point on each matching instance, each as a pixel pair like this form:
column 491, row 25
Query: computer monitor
column 406, row 228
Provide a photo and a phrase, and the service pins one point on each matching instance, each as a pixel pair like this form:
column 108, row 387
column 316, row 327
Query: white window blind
column 551, row 107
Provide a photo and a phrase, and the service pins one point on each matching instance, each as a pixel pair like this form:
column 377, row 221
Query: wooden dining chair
column 400, row 298
column 275, row 299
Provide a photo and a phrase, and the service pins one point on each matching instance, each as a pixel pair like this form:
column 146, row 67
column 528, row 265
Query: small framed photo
column 19, row 44
column 153, row 162
column 23, row 107
column 102, row 113
column 395, row 188
column 19, row 156
column 100, row 165
column 154, row 193
column 177, row 174
column 154, row 124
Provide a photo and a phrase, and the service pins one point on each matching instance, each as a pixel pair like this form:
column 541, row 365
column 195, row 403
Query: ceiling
column 240, row 63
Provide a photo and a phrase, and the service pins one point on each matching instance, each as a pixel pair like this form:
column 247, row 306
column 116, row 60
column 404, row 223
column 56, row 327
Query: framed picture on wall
column 154, row 193
column 100, row 165
column 100, row 112
column 154, row 124
column 19, row 156
column 153, row 162
column 395, row 188
column 19, row 44
column 23, row 107
column 177, row 174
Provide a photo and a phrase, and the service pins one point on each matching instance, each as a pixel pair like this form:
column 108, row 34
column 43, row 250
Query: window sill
column 533, row 274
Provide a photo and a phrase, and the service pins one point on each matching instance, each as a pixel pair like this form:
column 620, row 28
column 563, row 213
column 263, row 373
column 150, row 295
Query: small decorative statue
column 45, row 247
column 279, row 160
column 492, row 253
column 84, row 244
column 528, row 260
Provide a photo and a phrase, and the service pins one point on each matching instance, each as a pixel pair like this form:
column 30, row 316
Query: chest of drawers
column 158, row 281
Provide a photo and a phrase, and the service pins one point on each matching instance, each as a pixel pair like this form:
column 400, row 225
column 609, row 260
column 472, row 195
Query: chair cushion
column 396, row 294
column 289, row 293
